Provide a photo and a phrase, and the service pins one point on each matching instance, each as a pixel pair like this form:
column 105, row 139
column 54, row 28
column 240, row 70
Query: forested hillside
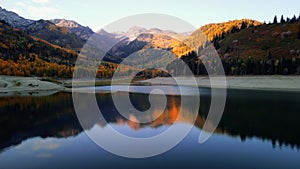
column 253, row 48
column 246, row 47
column 24, row 55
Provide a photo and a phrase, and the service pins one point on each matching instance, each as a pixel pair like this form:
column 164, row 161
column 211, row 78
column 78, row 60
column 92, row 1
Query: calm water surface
column 258, row 130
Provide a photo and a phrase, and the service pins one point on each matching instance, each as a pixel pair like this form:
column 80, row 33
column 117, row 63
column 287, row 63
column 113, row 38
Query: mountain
column 217, row 29
column 24, row 55
column 137, row 38
column 48, row 31
column 108, row 38
column 145, row 41
column 84, row 32
column 263, row 41
column 44, row 48
column 264, row 49
column 14, row 19
column 133, row 32
column 54, row 34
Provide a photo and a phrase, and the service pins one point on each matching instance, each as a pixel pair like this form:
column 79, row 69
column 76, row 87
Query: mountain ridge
column 60, row 36
column 84, row 32
column 14, row 19
column 236, row 40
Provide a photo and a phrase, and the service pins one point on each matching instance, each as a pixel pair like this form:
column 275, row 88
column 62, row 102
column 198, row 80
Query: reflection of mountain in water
column 266, row 115
column 26, row 117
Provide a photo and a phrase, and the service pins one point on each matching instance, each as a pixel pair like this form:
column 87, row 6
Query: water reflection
column 26, row 117
column 270, row 116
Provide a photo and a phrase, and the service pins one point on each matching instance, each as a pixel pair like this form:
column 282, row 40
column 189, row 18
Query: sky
column 98, row 13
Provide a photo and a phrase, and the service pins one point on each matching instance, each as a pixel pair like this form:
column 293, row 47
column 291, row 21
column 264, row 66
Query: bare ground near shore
column 35, row 86
column 276, row 83
column 14, row 85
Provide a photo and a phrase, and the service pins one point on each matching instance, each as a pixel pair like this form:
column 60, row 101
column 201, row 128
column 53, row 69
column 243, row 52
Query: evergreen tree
column 298, row 35
column 294, row 19
column 244, row 25
column 216, row 42
column 275, row 20
column 282, row 21
column 223, row 35
column 234, row 29
column 269, row 54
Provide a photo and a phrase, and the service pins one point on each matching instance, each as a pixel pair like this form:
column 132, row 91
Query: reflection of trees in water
column 26, row 117
column 269, row 116
column 272, row 116
column 265, row 115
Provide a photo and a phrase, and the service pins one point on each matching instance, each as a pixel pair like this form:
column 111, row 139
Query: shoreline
column 27, row 86
column 36, row 86
column 262, row 83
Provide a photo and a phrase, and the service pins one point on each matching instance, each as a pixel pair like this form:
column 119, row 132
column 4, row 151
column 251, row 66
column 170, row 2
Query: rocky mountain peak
column 84, row 32
column 134, row 32
column 14, row 19
column 65, row 23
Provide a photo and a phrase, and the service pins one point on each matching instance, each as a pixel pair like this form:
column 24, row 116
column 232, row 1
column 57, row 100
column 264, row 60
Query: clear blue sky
column 98, row 13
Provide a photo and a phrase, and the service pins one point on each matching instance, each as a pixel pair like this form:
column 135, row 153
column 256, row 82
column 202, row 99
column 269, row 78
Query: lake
column 259, row 129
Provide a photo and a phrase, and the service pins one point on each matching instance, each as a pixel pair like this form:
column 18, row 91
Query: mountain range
column 84, row 32
column 14, row 19
column 58, row 41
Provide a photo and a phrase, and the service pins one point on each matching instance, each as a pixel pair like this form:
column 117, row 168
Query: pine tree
column 294, row 19
column 275, row 20
column 298, row 36
column 234, row 29
column 269, row 55
column 244, row 25
column 282, row 21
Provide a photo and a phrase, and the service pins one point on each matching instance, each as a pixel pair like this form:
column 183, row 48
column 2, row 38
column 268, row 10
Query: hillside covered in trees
column 25, row 55
column 246, row 47
column 60, row 36
column 251, row 48
column 265, row 49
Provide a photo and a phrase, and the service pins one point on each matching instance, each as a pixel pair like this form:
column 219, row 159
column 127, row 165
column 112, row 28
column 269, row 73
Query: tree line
column 238, row 66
